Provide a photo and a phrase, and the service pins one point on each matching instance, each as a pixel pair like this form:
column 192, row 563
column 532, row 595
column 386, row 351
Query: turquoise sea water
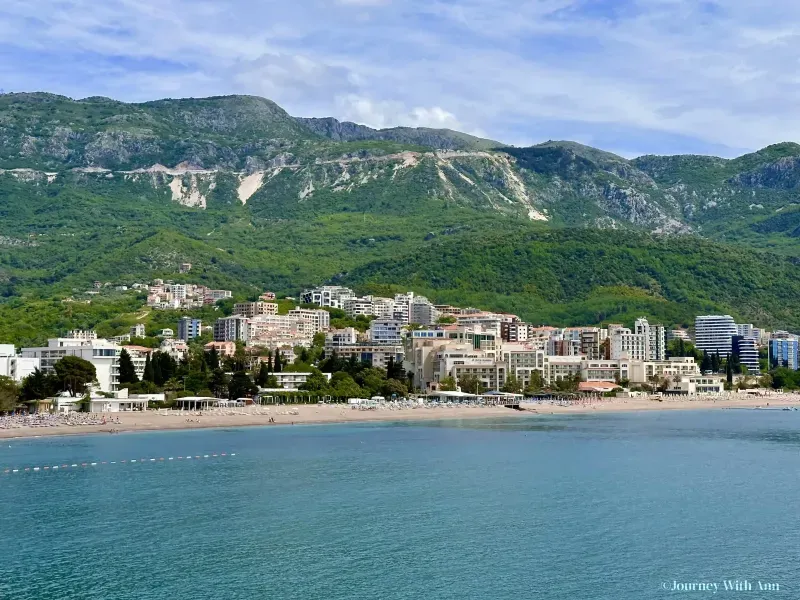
column 579, row 507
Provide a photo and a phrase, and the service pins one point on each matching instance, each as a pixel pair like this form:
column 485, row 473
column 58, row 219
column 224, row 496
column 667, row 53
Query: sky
column 629, row 76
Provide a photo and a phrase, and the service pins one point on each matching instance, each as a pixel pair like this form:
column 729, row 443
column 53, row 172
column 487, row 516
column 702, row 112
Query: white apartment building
column 678, row 334
column 423, row 312
column 377, row 355
column 385, row 331
column 423, row 347
column 522, row 359
column 138, row 330
column 697, row 385
column 516, row 331
column 563, row 344
column 337, row 338
column 178, row 291
column 627, row 344
column 355, row 307
column 231, row 329
column 327, row 295
column 279, row 330
column 292, row 381
column 15, row 366
column 101, row 353
column 746, row 330
column 214, row 295
column 177, row 349
column 714, row 333
column 80, row 334
column 402, row 307
column 487, row 322
column 382, row 308
column 319, row 320
column 654, row 337
column 255, row 309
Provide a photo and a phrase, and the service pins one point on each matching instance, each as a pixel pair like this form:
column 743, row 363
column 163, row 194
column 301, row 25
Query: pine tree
column 390, row 368
column 715, row 362
column 127, row 372
column 705, row 365
column 212, row 359
column 278, row 364
column 681, row 347
column 729, row 370
column 148, row 369
column 158, row 377
column 263, row 375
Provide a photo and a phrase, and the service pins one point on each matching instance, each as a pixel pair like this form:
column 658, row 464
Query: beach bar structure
column 443, row 397
column 196, row 403
column 502, row 399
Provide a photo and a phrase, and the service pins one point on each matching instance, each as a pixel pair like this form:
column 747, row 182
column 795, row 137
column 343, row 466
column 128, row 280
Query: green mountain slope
column 583, row 276
column 96, row 189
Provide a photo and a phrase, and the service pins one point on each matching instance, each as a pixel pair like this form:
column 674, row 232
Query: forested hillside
column 97, row 189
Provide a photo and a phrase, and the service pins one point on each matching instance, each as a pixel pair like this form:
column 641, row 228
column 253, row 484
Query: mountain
column 443, row 139
column 96, row 189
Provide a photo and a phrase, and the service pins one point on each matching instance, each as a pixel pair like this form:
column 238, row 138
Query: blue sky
column 629, row 76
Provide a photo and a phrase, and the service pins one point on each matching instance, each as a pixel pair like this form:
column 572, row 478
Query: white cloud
column 380, row 114
column 669, row 73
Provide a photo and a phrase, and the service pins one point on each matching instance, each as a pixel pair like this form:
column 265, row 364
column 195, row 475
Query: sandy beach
column 316, row 414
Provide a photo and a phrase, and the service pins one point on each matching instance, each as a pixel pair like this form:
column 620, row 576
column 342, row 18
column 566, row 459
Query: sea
column 625, row 506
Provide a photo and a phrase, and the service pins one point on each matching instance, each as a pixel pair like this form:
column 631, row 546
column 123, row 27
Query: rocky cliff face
column 249, row 151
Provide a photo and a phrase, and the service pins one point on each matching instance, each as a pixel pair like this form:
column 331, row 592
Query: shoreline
column 311, row 414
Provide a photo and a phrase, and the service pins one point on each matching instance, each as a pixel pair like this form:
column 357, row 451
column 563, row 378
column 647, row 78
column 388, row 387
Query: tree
column 729, row 370
column 536, row 383
column 344, row 386
column 736, row 363
column 277, row 363
column 706, row 365
column 148, row 375
column 196, row 381
column 158, row 377
column 302, row 357
column 75, row 374
column 316, row 382
column 212, row 359
column 9, row 394
column 446, row 320
column 394, row 388
column 716, row 362
column 765, row 381
column 38, row 386
column 333, row 363
column 241, row 386
column 263, row 374
column 371, row 379
column 448, row 384
column 127, row 372
column 219, row 383
column 172, row 385
column 470, row 384
column 165, row 367
column 272, row 382
column 512, row 385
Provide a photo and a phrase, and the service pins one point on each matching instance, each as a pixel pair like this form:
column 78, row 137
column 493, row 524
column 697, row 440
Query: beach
column 304, row 414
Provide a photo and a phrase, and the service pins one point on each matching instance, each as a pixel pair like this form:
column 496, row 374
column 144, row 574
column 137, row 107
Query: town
column 395, row 347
